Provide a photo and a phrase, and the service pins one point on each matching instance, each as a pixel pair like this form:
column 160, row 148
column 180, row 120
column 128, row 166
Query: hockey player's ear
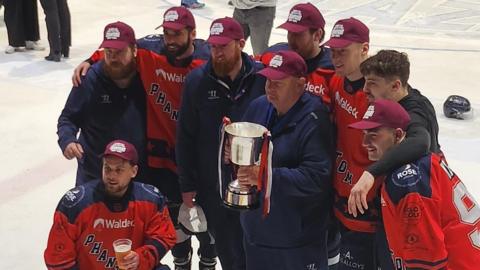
column 399, row 135
column 396, row 85
column 241, row 43
column 134, row 170
column 134, row 50
column 365, row 48
column 193, row 34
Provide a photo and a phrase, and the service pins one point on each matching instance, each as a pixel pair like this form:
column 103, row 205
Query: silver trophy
column 244, row 140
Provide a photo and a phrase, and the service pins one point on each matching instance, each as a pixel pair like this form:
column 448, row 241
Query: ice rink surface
column 441, row 37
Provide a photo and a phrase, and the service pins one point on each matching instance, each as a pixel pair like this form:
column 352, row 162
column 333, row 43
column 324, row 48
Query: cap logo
column 337, row 30
column 295, row 16
column 118, row 148
column 276, row 61
column 112, row 33
column 171, row 16
column 217, row 29
column 369, row 113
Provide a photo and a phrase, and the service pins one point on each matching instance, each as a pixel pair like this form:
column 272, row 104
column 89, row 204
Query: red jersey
column 86, row 223
column 349, row 107
column 163, row 84
column 431, row 220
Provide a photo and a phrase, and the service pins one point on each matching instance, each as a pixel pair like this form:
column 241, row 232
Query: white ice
column 441, row 37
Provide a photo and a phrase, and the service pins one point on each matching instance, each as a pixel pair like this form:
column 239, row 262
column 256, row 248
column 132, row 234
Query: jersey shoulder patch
column 73, row 197
column 410, row 178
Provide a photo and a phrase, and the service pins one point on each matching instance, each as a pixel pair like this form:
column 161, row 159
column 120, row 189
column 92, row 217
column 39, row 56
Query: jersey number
column 468, row 210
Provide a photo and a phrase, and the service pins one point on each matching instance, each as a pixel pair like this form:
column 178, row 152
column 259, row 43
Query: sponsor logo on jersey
column 407, row 177
column 344, row 104
column 295, row 16
column 318, row 90
column 276, row 61
column 337, row 31
column 101, row 223
column 171, row 77
column 412, row 213
column 216, row 29
column 112, row 33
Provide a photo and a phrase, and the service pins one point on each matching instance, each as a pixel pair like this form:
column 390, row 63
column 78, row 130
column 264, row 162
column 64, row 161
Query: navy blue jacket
column 102, row 112
column 303, row 151
column 206, row 99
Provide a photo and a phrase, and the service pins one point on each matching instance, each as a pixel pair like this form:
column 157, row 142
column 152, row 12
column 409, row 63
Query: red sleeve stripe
column 419, row 264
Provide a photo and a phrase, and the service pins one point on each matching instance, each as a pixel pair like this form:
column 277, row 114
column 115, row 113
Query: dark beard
column 181, row 49
column 117, row 71
column 223, row 68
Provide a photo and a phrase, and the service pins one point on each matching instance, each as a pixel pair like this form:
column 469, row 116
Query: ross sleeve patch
column 73, row 197
column 406, row 176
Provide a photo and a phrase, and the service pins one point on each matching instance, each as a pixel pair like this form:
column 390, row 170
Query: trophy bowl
column 245, row 142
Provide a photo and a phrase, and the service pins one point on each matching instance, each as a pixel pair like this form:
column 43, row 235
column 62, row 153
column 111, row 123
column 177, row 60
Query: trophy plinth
column 240, row 197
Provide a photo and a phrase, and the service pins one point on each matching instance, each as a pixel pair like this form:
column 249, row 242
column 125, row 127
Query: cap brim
column 217, row 40
column 171, row 25
column 293, row 27
column 364, row 124
column 337, row 43
column 114, row 44
column 273, row 74
column 119, row 156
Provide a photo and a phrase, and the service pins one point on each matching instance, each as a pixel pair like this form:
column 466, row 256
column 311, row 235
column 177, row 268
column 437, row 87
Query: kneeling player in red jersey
column 431, row 220
column 90, row 217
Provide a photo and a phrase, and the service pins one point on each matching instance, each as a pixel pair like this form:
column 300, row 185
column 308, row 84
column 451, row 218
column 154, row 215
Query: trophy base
column 240, row 197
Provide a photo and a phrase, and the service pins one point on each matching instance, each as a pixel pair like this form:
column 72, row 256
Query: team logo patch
column 295, row 16
column 216, row 29
column 112, row 33
column 407, row 176
column 171, row 16
column 337, row 31
column 276, row 61
column 73, row 196
column 118, row 148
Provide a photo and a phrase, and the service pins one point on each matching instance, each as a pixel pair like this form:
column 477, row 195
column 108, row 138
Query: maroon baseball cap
column 118, row 35
column 383, row 113
column 347, row 31
column 303, row 17
column 284, row 64
column 177, row 18
column 123, row 150
column 224, row 30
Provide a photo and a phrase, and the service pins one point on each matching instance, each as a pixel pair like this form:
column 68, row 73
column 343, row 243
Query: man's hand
column 188, row 198
column 248, row 175
column 72, row 150
column 130, row 262
column 358, row 194
column 78, row 72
